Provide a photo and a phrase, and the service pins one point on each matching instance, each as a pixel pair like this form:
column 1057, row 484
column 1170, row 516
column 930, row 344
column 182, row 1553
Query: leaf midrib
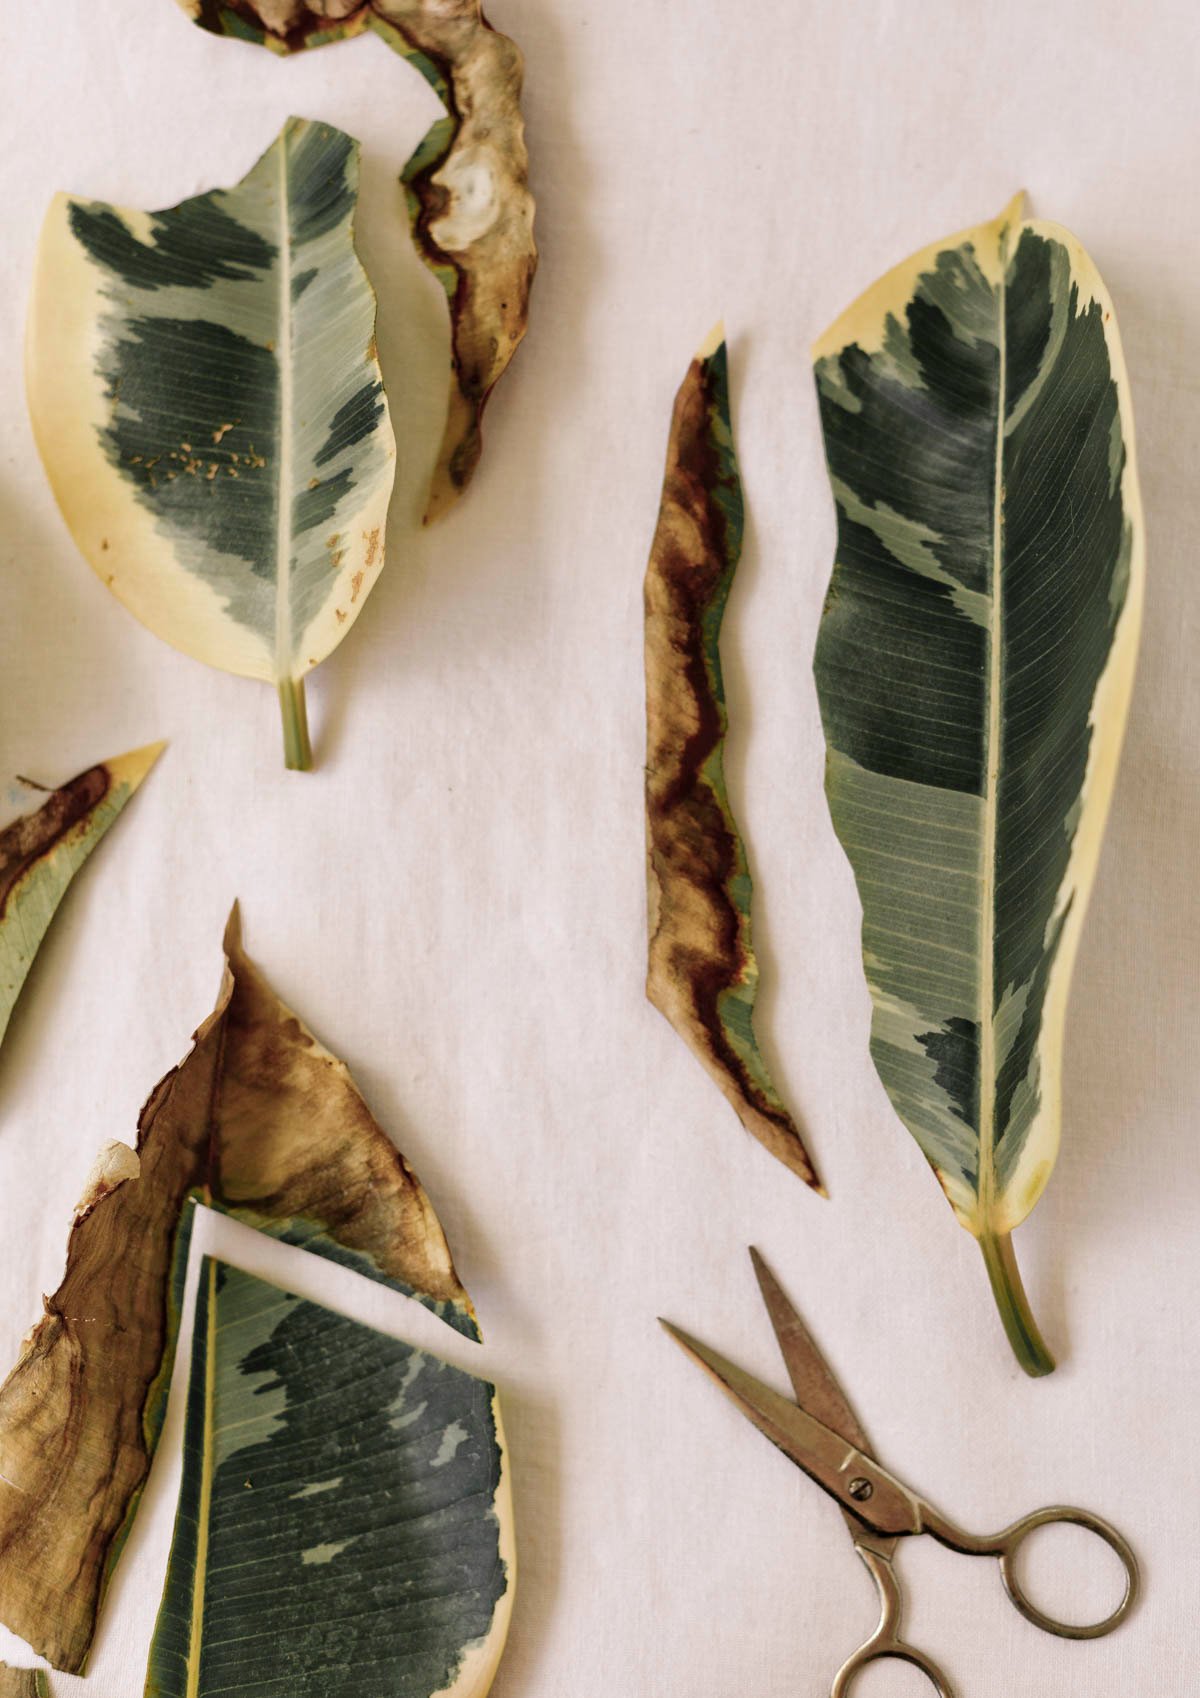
column 283, row 521
column 995, row 652
column 204, row 1506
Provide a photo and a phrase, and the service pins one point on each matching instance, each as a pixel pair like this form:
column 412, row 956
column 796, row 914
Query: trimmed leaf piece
column 703, row 974
column 974, row 668
column 357, row 1489
column 261, row 1122
column 41, row 852
column 23, row 1683
column 467, row 184
column 208, row 405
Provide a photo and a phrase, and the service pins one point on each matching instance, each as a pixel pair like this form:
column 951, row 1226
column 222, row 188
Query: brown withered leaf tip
column 263, row 1123
column 702, row 970
column 468, row 182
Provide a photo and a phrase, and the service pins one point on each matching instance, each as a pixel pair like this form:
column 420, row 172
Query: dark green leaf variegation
column 974, row 668
column 344, row 1524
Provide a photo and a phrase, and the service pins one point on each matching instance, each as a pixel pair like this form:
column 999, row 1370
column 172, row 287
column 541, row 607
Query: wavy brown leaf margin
column 703, row 974
column 467, row 184
column 262, row 1123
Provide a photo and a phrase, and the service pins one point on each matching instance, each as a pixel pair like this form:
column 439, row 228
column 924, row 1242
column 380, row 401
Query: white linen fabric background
column 454, row 900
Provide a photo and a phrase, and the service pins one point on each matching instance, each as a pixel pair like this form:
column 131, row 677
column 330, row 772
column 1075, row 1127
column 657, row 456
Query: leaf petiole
column 1028, row 1345
column 297, row 750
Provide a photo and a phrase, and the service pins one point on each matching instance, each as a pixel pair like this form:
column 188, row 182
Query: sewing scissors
column 822, row 1435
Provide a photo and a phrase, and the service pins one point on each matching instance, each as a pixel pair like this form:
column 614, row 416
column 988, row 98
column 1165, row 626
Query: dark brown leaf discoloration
column 702, row 969
column 26, row 840
column 260, row 1121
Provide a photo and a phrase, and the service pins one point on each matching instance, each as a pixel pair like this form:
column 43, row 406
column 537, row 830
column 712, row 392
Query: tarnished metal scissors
column 821, row 1434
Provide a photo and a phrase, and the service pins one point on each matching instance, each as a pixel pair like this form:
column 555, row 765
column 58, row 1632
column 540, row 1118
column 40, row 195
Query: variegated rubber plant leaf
column 207, row 402
column 702, row 973
column 263, row 1123
column 974, row 667
column 41, row 852
column 467, row 183
column 356, row 1486
column 23, row 1683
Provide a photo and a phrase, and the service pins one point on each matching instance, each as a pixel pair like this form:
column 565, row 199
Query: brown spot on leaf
column 356, row 584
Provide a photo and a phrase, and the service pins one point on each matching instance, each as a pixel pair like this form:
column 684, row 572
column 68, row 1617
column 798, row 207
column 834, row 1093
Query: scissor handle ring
column 874, row 1651
column 1009, row 1546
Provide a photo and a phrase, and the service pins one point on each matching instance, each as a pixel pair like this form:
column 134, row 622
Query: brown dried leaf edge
column 263, row 1123
column 467, row 183
column 703, row 974
column 23, row 1683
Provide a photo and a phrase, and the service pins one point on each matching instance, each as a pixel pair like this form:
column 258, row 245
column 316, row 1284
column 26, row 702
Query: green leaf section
column 974, row 666
column 343, row 1525
column 41, row 852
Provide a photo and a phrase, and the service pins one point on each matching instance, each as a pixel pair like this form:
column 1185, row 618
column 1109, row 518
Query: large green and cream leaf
column 974, row 667
column 207, row 401
column 345, row 1519
column 41, row 852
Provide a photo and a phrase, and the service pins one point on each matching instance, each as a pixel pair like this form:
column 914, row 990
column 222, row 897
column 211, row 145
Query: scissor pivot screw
column 860, row 1490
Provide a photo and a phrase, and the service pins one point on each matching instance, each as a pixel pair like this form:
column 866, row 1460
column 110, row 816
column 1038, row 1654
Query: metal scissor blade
column 812, row 1378
column 814, row 1382
column 848, row 1474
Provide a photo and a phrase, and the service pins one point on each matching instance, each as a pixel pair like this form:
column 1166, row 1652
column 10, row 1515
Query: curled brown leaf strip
column 262, row 1122
column 702, row 969
column 468, row 182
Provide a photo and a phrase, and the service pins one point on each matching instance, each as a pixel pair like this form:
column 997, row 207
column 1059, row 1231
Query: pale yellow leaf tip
column 131, row 768
column 712, row 341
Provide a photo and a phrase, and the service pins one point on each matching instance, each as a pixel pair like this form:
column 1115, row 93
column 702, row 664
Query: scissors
column 821, row 1434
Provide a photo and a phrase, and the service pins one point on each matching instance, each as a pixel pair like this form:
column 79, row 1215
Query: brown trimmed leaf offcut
column 467, row 183
column 263, row 1123
column 703, row 974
